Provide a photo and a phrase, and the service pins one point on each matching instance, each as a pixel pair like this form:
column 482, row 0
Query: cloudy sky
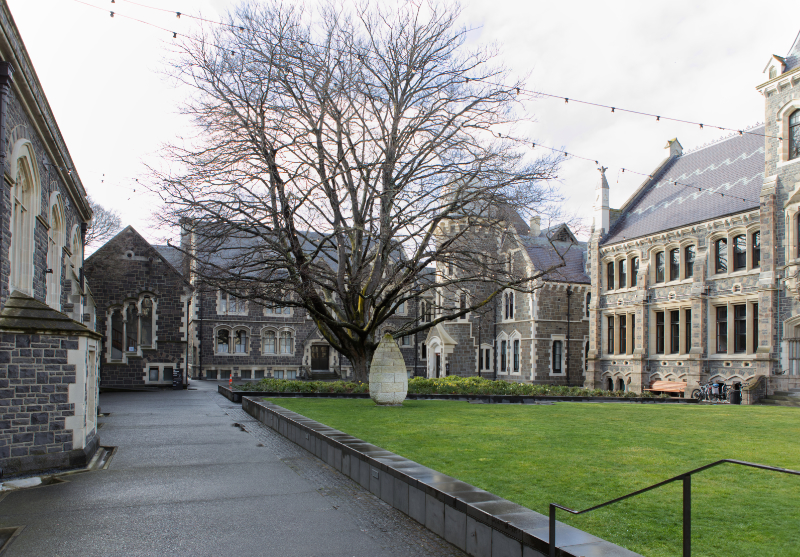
column 698, row 60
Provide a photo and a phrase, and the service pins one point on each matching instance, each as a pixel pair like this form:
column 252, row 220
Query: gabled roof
column 774, row 57
column 25, row 314
column 172, row 255
column 792, row 59
column 545, row 254
column 733, row 166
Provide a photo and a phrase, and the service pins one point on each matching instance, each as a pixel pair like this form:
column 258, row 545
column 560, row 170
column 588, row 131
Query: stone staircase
column 783, row 398
column 328, row 376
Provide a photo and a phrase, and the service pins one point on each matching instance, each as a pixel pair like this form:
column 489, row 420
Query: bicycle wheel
column 697, row 394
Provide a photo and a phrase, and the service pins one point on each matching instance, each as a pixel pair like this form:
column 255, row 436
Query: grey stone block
column 434, row 515
column 503, row 546
column 530, row 552
column 400, row 495
column 478, row 539
column 416, row 504
column 345, row 464
column 363, row 476
column 337, row 458
column 455, row 527
column 387, row 487
column 330, row 457
column 354, row 472
column 375, row 481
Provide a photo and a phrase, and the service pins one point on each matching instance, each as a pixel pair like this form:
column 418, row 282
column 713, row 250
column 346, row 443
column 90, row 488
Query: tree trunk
column 361, row 363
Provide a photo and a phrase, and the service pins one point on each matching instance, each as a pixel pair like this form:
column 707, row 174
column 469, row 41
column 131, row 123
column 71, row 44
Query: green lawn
column 579, row 455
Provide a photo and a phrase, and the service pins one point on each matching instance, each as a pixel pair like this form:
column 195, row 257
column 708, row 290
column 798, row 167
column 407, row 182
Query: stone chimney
column 601, row 210
column 675, row 147
column 536, row 225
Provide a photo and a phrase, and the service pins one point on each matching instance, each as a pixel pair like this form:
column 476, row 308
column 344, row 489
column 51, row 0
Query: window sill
column 781, row 164
column 734, row 274
column 744, row 356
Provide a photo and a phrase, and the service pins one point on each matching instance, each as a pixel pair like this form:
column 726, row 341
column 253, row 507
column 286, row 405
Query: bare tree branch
column 104, row 224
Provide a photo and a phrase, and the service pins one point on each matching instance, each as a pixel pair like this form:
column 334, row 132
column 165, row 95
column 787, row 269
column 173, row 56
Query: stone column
column 388, row 381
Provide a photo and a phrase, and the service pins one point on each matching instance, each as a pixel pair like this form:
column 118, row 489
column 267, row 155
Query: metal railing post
column 687, row 515
column 552, row 530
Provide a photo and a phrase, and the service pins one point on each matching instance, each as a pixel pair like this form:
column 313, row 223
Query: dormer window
column 773, row 72
column 794, row 135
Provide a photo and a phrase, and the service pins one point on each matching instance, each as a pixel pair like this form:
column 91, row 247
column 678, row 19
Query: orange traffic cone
column 230, row 380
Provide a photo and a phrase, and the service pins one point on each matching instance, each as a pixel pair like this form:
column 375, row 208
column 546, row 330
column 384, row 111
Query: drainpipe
column 566, row 364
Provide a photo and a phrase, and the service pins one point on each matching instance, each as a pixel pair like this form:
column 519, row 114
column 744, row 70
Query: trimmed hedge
column 451, row 385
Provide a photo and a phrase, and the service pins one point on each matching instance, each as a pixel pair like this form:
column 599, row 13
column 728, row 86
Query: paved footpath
column 187, row 481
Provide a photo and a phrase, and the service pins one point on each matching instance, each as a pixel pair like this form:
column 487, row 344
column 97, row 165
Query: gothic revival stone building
column 694, row 278
column 48, row 350
column 539, row 335
column 142, row 302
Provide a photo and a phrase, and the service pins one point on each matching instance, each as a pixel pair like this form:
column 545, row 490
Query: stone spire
column 601, row 210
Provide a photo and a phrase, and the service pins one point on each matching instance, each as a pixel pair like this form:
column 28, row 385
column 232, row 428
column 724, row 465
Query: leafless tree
column 341, row 156
column 104, row 224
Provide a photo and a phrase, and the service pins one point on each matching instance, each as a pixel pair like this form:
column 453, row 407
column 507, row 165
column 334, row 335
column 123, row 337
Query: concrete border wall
column 476, row 521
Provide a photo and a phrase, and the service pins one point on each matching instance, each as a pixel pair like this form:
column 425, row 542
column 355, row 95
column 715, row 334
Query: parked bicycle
column 712, row 392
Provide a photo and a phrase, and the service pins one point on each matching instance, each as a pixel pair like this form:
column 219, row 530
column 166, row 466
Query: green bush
column 451, row 385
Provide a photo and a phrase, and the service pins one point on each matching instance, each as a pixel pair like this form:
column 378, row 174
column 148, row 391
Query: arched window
column 240, row 342
column 24, row 208
column 270, row 342
column 146, row 322
column 634, row 271
column 509, row 305
column 503, row 355
column 117, row 335
column 76, row 247
column 674, row 264
column 286, row 342
column 610, row 384
column 794, row 135
column 55, row 246
column 620, row 384
column 660, row 264
column 688, row 262
column 739, row 252
column 622, row 281
column 721, row 255
column 516, row 355
column 223, row 341
column 756, row 249
column 610, row 276
column 588, row 301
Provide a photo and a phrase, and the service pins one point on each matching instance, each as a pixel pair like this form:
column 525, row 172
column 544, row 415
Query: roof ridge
column 721, row 139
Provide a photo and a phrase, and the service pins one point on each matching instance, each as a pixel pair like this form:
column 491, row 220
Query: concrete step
column 777, row 396
column 772, row 402
column 793, row 394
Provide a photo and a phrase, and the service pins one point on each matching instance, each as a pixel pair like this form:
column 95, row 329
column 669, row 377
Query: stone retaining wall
column 476, row 521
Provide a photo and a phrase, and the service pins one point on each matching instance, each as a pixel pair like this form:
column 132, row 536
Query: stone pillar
column 388, row 381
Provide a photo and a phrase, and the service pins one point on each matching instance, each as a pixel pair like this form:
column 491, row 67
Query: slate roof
column 733, row 165
column 545, row 255
column 793, row 58
column 173, row 256
column 23, row 313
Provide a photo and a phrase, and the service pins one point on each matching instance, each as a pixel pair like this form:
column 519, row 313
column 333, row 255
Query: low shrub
column 451, row 385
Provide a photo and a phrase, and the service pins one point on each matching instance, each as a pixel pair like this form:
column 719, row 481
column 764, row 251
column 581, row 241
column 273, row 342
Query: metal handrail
column 687, row 500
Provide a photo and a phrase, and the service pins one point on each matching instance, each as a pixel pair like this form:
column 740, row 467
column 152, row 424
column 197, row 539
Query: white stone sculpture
column 388, row 380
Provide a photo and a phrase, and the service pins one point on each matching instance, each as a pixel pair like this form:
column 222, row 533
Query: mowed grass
column 579, row 455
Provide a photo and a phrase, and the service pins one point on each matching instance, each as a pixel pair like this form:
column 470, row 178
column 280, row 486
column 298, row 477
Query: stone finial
column 388, row 380
column 601, row 209
column 675, row 147
column 536, row 225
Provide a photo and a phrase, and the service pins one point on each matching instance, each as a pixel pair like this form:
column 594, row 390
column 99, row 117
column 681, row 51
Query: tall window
column 462, row 301
column 487, row 358
column 674, row 332
column 223, row 341
column 586, row 357
column 56, row 238
column 588, row 301
column 634, row 271
column 610, row 334
column 633, row 332
column 659, row 332
column 24, row 208
column 131, row 325
column 722, row 330
column 674, row 264
column 503, row 355
column 740, row 252
column 794, row 135
column 623, row 334
column 688, row 261
column 660, row 266
column 270, row 342
column 146, row 326
column 558, row 350
column 623, row 274
column 688, row 330
column 756, row 239
column 721, row 255
column 516, row 355
column 755, row 328
column 117, row 335
column 287, row 342
column 610, row 276
column 509, row 305
column 240, row 342
column 740, row 328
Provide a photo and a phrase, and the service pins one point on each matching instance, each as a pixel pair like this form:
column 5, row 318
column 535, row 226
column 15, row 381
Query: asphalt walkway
column 194, row 475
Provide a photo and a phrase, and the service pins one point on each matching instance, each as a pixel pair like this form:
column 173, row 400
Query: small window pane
column 516, row 356
column 223, row 339
column 270, row 342
column 740, row 328
column 722, row 330
column 688, row 330
column 610, row 276
column 623, row 273
column 634, row 271
column 623, row 334
column 756, row 239
column 557, row 351
column 674, row 332
column 153, row 374
column 660, row 266
column 610, row 334
column 659, row 332
column 168, row 371
column 503, row 356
